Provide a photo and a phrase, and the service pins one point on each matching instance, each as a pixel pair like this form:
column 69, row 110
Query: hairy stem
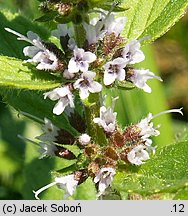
column 91, row 112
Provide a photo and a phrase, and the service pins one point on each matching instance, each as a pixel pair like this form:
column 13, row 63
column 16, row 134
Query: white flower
column 65, row 97
column 137, row 155
column 86, row 84
column 64, row 30
column 114, row 25
column 68, row 183
column 107, row 119
column 140, row 77
column 65, row 182
column 147, row 129
column 104, row 177
column 146, row 126
column 80, row 61
column 50, row 132
column 84, row 139
column 114, row 70
column 94, row 31
column 46, row 60
column 38, row 53
column 47, row 149
column 104, row 24
column 132, row 53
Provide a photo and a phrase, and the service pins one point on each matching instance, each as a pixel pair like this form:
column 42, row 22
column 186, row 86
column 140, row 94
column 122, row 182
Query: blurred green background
column 168, row 57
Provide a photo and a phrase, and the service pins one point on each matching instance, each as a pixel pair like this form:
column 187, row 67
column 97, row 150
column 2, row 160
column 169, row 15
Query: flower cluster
column 133, row 145
column 106, row 52
column 105, row 60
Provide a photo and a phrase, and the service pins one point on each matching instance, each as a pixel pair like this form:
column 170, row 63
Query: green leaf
column 124, row 85
column 35, row 105
column 182, row 194
column 37, row 174
column 73, row 148
column 151, row 18
column 85, row 191
column 9, row 45
column 15, row 74
column 61, row 163
column 47, row 17
column 166, row 172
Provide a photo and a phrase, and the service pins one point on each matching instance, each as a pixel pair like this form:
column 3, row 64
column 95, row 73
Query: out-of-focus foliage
column 29, row 7
column 171, row 55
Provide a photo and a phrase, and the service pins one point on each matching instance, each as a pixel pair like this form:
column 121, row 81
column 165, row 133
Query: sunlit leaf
column 14, row 74
column 166, row 172
column 151, row 18
column 9, row 45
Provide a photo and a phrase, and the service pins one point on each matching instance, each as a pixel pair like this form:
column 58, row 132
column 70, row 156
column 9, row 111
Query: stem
column 92, row 111
column 80, row 35
column 92, row 108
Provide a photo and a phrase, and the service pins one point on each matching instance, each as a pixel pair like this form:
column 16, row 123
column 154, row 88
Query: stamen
column 169, row 111
column 20, row 36
column 156, row 77
column 43, row 189
column 24, row 38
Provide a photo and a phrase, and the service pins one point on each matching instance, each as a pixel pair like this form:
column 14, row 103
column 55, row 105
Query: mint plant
column 93, row 47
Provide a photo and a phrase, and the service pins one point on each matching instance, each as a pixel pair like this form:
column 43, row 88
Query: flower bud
column 84, row 139
column 111, row 153
column 117, row 139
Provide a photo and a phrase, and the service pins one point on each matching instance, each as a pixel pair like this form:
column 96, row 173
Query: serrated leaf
column 35, row 105
column 37, row 173
column 9, row 45
column 61, row 163
column 151, row 18
column 85, row 191
column 182, row 194
column 15, row 74
column 166, row 172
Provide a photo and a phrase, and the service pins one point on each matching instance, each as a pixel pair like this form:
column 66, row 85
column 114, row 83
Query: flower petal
column 60, row 106
column 109, row 78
